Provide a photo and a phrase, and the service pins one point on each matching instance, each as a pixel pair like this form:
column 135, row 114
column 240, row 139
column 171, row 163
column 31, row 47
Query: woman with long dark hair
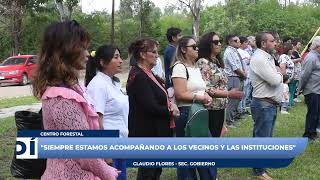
column 65, row 105
column 109, row 101
column 211, row 66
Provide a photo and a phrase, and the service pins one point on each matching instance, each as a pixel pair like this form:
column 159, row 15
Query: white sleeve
column 99, row 95
column 179, row 71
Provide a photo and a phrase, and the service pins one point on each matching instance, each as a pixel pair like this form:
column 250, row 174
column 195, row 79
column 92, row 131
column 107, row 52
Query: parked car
column 18, row 69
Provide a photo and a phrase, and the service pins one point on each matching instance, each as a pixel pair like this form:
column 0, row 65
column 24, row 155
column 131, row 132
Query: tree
column 12, row 12
column 65, row 8
column 194, row 6
column 112, row 23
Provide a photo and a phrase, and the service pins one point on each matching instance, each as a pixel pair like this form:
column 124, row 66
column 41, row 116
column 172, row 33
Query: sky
column 89, row 6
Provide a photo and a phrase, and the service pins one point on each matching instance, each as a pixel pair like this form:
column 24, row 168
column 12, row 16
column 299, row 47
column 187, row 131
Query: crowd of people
column 259, row 72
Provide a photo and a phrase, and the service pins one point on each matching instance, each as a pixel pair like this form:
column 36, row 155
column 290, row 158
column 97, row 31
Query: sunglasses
column 216, row 42
column 194, row 47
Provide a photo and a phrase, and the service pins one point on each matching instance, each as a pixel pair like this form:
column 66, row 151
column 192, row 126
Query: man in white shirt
column 245, row 57
column 267, row 91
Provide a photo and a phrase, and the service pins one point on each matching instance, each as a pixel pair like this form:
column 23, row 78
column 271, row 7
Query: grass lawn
column 17, row 101
column 304, row 167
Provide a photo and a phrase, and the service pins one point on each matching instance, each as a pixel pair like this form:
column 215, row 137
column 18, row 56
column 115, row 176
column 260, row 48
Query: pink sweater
column 65, row 109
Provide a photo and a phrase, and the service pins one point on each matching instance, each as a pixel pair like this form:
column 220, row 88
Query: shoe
column 284, row 112
column 318, row 130
column 296, row 100
column 264, row 176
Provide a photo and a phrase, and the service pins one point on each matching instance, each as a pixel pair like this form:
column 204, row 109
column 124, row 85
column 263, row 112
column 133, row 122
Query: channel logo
column 26, row 148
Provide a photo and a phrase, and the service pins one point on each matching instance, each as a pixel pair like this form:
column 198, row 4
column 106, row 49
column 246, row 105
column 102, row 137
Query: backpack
column 198, row 120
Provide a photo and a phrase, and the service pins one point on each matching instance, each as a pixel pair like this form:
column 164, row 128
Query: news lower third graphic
column 160, row 152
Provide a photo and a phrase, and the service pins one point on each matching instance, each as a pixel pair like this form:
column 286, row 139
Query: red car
column 18, row 69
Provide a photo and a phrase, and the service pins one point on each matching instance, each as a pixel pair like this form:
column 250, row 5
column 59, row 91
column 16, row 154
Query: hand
column 174, row 109
column 235, row 94
column 206, row 100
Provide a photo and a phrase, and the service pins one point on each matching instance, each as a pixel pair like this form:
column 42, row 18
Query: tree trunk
column 196, row 27
column 59, row 5
column 196, row 18
column 16, row 26
column 112, row 22
column 141, row 19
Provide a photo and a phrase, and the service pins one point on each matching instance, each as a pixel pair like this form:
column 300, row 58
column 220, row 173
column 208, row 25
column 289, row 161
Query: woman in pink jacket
column 65, row 106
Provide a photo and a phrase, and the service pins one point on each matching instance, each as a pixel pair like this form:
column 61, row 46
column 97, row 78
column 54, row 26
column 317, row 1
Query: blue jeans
column 245, row 99
column 264, row 115
column 190, row 173
column 313, row 115
column 249, row 92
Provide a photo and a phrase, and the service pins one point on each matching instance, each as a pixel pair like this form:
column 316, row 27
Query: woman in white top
column 110, row 102
column 188, row 86
column 287, row 68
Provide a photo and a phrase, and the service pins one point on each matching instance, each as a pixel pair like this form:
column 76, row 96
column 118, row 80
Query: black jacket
column 148, row 113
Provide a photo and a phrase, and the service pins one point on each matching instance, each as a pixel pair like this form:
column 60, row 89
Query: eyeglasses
column 194, row 47
column 236, row 40
column 216, row 42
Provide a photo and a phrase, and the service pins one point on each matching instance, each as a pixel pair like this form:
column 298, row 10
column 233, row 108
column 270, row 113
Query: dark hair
column 286, row 39
column 285, row 78
column 205, row 48
column 295, row 41
column 59, row 60
column 171, row 32
column 229, row 37
column 262, row 37
column 243, row 39
column 104, row 53
column 286, row 48
column 141, row 45
column 90, row 70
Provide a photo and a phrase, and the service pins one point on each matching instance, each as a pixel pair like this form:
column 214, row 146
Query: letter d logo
column 27, row 148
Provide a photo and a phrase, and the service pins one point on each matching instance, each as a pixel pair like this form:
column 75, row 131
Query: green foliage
column 136, row 17
column 245, row 18
column 11, row 102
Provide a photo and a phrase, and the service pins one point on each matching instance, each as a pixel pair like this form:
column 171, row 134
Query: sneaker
column 284, row 112
column 318, row 130
column 264, row 176
column 296, row 100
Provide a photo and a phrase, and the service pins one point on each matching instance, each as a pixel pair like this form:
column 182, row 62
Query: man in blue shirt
column 173, row 35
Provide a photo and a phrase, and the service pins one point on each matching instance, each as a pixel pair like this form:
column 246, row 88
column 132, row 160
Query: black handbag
column 28, row 168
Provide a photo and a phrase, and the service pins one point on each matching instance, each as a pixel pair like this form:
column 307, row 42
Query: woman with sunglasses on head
column 65, row 105
column 150, row 109
column 211, row 66
column 109, row 101
column 188, row 87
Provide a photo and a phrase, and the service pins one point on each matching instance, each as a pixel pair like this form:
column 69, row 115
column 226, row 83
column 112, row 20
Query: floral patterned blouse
column 215, row 79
